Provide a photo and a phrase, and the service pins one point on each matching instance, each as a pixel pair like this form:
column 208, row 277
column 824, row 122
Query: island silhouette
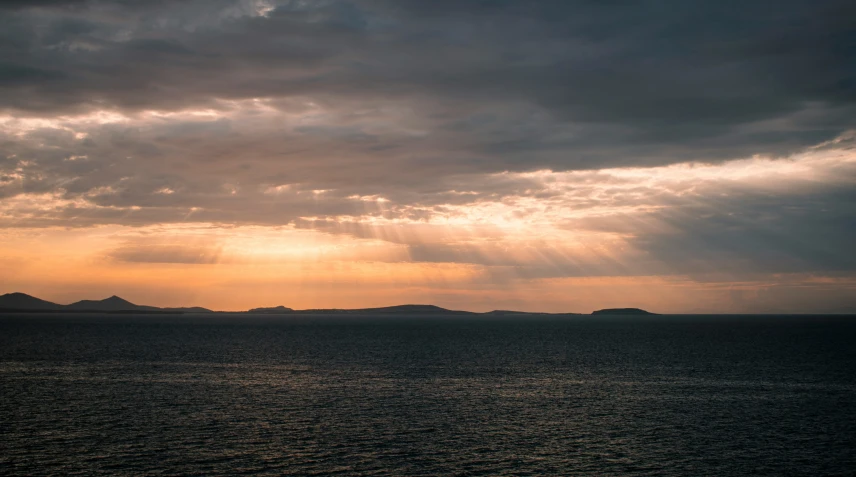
column 18, row 302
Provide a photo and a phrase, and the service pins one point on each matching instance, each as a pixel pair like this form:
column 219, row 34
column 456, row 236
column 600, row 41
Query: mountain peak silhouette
column 17, row 301
column 116, row 299
column 113, row 303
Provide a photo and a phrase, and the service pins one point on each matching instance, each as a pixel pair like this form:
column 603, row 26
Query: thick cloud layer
column 548, row 84
column 535, row 139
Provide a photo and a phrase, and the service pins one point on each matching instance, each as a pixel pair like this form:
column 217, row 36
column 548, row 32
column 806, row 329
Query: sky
column 558, row 156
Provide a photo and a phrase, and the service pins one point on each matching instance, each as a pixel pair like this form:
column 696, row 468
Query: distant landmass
column 114, row 303
column 622, row 311
column 512, row 312
column 399, row 309
column 21, row 302
column 275, row 309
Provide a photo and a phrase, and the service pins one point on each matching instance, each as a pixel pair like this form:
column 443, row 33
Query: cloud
column 556, row 85
column 217, row 101
column 754, row 215
column 165, row 253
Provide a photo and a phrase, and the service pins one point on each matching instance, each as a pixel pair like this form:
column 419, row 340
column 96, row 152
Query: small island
column 622, row 311
column 272, row 310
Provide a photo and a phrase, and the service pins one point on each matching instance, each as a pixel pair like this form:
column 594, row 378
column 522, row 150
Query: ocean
column 96, row 394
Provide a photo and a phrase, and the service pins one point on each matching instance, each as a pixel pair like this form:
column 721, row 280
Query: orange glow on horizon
column 564, row 242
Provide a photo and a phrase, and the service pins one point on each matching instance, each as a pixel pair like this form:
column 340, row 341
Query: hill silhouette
column 272, row 309
column 114, row 303
column 622, row 311
column 514, row 312
column 395, row 309
column 420, row 309
column 21, row 302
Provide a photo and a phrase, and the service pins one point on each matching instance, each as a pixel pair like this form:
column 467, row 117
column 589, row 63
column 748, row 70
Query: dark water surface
column 215, row 395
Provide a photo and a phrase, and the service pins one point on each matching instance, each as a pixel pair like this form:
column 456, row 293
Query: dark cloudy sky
column 542, row 155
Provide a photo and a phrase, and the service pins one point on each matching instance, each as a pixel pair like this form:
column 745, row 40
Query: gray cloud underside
column 558, row 84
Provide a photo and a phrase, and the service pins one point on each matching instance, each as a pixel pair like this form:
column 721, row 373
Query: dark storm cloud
column 600, row 82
